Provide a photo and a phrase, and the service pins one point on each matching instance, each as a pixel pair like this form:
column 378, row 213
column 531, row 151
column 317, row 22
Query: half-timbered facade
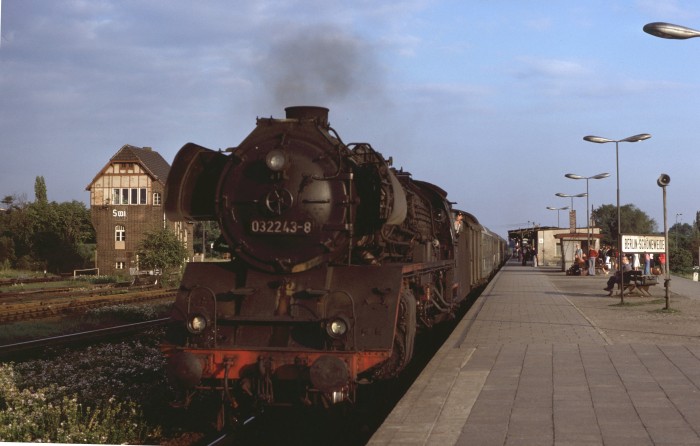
column 126, row 201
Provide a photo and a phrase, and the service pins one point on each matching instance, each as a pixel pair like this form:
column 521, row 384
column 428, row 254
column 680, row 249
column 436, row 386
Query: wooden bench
column 635, row 281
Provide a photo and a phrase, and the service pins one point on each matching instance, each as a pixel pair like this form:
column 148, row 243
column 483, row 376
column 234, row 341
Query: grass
column 638, row 303
column 666, row 311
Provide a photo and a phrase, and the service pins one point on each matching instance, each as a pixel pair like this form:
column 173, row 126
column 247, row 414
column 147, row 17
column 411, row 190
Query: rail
column 25, row 346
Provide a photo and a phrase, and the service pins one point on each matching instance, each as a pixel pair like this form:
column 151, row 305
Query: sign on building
column 572, row 221
column 643, row 243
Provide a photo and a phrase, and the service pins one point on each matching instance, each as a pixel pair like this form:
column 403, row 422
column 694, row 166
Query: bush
column 112, row 391
column 38, row 416
column 129, row 371
column 98, row 280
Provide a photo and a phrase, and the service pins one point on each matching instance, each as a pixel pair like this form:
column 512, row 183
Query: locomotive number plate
column 284, row 227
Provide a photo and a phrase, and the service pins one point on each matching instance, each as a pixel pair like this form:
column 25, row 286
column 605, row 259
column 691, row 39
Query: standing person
column 635, row 261
column 534, row 257
column 608, row 256
column 647, row 264
column 592, row 256
column 578, row 254
column 662, row 262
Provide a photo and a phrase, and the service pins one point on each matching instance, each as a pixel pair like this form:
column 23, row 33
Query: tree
column 61, row 231
column 8, row 201
column 42, row 235
column 161, row 249
column 40, row 190
column 207, row 232
column 633, row 221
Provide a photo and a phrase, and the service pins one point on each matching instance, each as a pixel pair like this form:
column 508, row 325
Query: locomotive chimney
column 308, row 112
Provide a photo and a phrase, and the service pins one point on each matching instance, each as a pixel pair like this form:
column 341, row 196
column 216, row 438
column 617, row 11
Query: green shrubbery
column 111, row 393
column 93, row 396
column 47, row 415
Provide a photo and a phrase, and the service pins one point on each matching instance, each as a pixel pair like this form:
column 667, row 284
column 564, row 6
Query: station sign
column 643, row 243
column 119, row 213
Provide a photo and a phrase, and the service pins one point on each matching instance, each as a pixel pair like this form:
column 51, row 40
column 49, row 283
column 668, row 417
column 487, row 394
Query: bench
column 636, row 281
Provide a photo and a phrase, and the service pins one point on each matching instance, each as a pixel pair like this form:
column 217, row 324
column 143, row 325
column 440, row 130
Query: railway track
column 68, row 339
column 50, row 304
column 19, row 281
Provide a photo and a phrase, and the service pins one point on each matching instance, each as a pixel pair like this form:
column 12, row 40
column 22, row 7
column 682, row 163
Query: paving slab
column 544, row 358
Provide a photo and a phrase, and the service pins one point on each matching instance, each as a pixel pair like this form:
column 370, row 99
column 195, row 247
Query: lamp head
column 670, row 31
column 635, row 138
column 597, row 139
column 573, row 176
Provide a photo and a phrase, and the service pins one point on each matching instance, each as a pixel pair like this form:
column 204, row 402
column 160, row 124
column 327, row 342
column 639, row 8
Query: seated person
column 616, row 278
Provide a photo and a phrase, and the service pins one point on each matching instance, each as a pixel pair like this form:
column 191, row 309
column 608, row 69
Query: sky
column 490, row 100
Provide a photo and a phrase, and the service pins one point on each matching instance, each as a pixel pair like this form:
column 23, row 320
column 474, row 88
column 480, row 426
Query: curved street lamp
column 557, row 209
column 562, row 195
column 601, row 140
column 600, row 176
column 670, row 31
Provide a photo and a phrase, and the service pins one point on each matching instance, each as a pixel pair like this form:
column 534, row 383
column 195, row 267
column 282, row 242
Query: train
column 338, row 263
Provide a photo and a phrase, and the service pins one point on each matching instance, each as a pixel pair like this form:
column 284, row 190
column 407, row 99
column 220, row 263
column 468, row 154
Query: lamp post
column 662, row 182
column 670, row 31
column 557, row 209
column 601, row 140
column 677, row 228
column 600, row 176
column 562, row 195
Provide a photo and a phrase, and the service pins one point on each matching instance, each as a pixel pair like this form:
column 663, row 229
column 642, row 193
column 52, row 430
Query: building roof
column 151, row 161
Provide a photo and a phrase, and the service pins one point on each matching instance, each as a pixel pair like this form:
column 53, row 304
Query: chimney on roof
column 148, row 148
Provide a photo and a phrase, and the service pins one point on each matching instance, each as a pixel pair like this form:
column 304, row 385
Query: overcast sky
column 488, row 99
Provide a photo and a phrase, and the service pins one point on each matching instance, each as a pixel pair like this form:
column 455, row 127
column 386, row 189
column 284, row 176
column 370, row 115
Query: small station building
column 556, row 246
column 126, row 201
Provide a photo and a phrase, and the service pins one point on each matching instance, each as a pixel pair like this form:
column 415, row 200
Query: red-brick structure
column 126, row 201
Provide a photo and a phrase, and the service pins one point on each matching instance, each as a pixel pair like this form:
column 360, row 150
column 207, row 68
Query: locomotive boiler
column 338, row 261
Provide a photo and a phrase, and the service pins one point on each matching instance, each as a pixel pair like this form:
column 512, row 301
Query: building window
column 156, row 199
column 127, row 195
column 120, row 265
column 119, row 233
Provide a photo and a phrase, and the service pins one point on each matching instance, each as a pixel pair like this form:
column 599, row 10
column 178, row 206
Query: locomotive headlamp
column 196, row 324
column 276, row 160
column 337, row 327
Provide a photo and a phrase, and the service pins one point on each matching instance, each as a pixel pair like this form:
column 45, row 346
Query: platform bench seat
column 635, row 281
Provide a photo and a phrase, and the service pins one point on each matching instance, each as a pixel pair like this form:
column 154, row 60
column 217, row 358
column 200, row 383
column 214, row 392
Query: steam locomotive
column 338, row 261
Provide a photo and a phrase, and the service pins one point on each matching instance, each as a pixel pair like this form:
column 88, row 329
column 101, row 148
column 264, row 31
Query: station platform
column 548, row 359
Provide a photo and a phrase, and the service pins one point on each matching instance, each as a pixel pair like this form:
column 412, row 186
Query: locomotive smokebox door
column 191, row 187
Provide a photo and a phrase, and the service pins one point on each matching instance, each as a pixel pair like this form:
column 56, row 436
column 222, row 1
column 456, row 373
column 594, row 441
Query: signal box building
column 126, row 201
